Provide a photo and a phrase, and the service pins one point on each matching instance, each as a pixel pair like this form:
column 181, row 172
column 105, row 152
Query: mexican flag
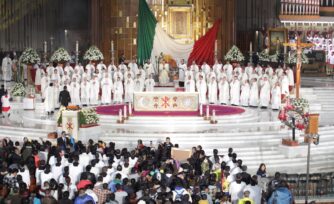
column 153, row 41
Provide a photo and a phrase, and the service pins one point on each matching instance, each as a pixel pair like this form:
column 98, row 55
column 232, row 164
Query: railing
column 327, row 3
column 300, row 7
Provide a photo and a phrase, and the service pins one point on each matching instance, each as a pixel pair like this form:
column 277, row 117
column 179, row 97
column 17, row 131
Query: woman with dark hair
column 262, row 171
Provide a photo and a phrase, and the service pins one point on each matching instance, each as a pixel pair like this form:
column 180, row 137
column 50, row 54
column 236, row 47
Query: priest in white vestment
column 57, row 89
column 38, row 77
column 188, row 73
column 45, row 81
column 217, row 67
column 49, row 70
column 235, row 91
column 254, row 93
column 129, row 89
column 138, row 84
column 205, row 68
column 249, row 69
column 201, row 87
column 276, row 97
column 118, row 91
column 111, row 69
column 245, row 92
column 269, row 71
column 101, row 66
column 94, row 91
column 194, row 67
column 258, row 69
column 224, row 91
column 133, row 67
column 106, row 86
column 122, row 67
column 265, row 93
column 279, row 71
column 79, row 68
column 163, row 73
column 289, row 73
column 75, row 92
column 129, row 71
column 85, row 92
column 148, row 67
column 118, row 74
column 228, row 68
column 182, row 69
column 149, row 84
column 49, row 102
column 189, row 84
column 285, row 85
column 212, row 90
column 69, row 69
column 90, row 69
column 6, row 68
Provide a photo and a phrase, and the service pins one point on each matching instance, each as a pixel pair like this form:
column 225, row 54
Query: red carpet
column 220, row 110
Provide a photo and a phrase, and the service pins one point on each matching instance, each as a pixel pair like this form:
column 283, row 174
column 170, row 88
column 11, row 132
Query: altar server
column 212, row 90
column 235, row 91
column 94, row 91
column 189, row 84
column 224, row 91
column 85, row 91
column 138, row 84
column 265, row 93
column 276, row 97
column 129, row 89
column 182, row 69
column 75, row 92
column 118, row 91
column 149, row 84
column 6, row 68
column 201, row 89
column 49, row 102
column 163, row 73
column 245, row 92
column 148, row 67
column 106, row 86
column 254, row 94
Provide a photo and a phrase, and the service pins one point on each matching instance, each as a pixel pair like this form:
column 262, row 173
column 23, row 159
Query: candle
column 120, row 115
column 112, row 46
column 77, row 46
column 250, row 47
column 45, row 47
column 134, row 41
column 134, row 24
column 127, row 19
column 155, row 14
column 125, row 112
column 130, row 109
column 216, row 46
column 207, row 111
column 201, row 109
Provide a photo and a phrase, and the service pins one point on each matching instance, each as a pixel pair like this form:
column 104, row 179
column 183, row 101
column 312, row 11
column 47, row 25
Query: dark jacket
column 64, row 98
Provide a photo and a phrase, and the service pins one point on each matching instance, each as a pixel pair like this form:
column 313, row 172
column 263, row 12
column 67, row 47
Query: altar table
column 165, row 101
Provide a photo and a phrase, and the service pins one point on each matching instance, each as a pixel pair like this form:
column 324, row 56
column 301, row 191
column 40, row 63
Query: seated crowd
column 72, row 172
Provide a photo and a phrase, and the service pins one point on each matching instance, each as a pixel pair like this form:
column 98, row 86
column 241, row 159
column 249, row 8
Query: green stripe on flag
column 146, row 32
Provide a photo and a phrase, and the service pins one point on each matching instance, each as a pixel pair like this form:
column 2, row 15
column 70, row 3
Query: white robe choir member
column 201, row 89
column 212, row 91
column 163, row 74
column 75, row 93
column 138, row 84
column 254, row 94
column 194, row 67
column 149, row 84
column 129, row 87
column 85, row 92
column 224, row 91
column 276, row 97
column 118, row 91
column 245, row 92
column 106, row 86
column 182, row 69
column 189, row 84
column 50, row 95
column 6, row 67
column 133, row 67
column 265, row 93
column 94, row 91
column 205, row 68
column 228, row 68
column 235, row 91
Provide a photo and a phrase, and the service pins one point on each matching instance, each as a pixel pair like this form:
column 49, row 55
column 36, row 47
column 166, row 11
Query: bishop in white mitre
column 245, row 92
column 254, row 93
column 94, row 91
column 149, row 84
column 118, row 91
column 265, row 93
column 106, row 86
column 276, row 97
column 163, row 73
column 129, row 89
column 235, row 91
column 189, row 84
column 85, row 92
column 224, row 90
column 201, row 87
column 182, row 69
column 6, row 67
column 212, row 90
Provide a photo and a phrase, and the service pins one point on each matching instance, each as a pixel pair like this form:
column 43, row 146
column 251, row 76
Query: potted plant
column 234, row 55
column 294, row 115
column 60, row 56
column 29, row 57
column 93, row 54
column 18, row 92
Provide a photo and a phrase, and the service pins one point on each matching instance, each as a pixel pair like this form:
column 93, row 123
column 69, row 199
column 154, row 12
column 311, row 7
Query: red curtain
column 203, row 50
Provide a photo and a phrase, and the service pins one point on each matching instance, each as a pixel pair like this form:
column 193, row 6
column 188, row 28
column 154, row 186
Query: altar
column 166, row 101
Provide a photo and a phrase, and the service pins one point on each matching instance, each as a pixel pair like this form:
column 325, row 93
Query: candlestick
column 112, row 46
column 125, row 112
column 130, row 109
column 76, row 46
column 207, row 111
column 201, row 109
column 250, row 47
column 134, row 24
column 45, row 47
column 216, row 46
column 134, row 41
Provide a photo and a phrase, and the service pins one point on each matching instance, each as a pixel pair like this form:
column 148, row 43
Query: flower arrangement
column 29, row 56
column 87, row 116
column 93, row 54
column 234, row 54
column 264, row 56
column 292, row 59
column 297, row 109
column 274, row 57
column 18, row 90
column 60, row 115
column 61, row 55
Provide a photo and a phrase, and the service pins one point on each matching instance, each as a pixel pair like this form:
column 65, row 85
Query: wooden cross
column 299, row 47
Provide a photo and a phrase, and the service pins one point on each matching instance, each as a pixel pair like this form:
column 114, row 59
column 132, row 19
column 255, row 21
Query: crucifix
column 299, row 48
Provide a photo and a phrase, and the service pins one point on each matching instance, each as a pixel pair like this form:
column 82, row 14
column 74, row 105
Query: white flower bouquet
column 60, row 56
column 264, row 56
column 292, row 59
column 234, row 55
column 29, row 56
column 88, row 116
column 93, row 54
column 18, row 90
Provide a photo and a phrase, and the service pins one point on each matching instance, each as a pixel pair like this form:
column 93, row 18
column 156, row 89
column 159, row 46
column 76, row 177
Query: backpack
column 281, row 196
